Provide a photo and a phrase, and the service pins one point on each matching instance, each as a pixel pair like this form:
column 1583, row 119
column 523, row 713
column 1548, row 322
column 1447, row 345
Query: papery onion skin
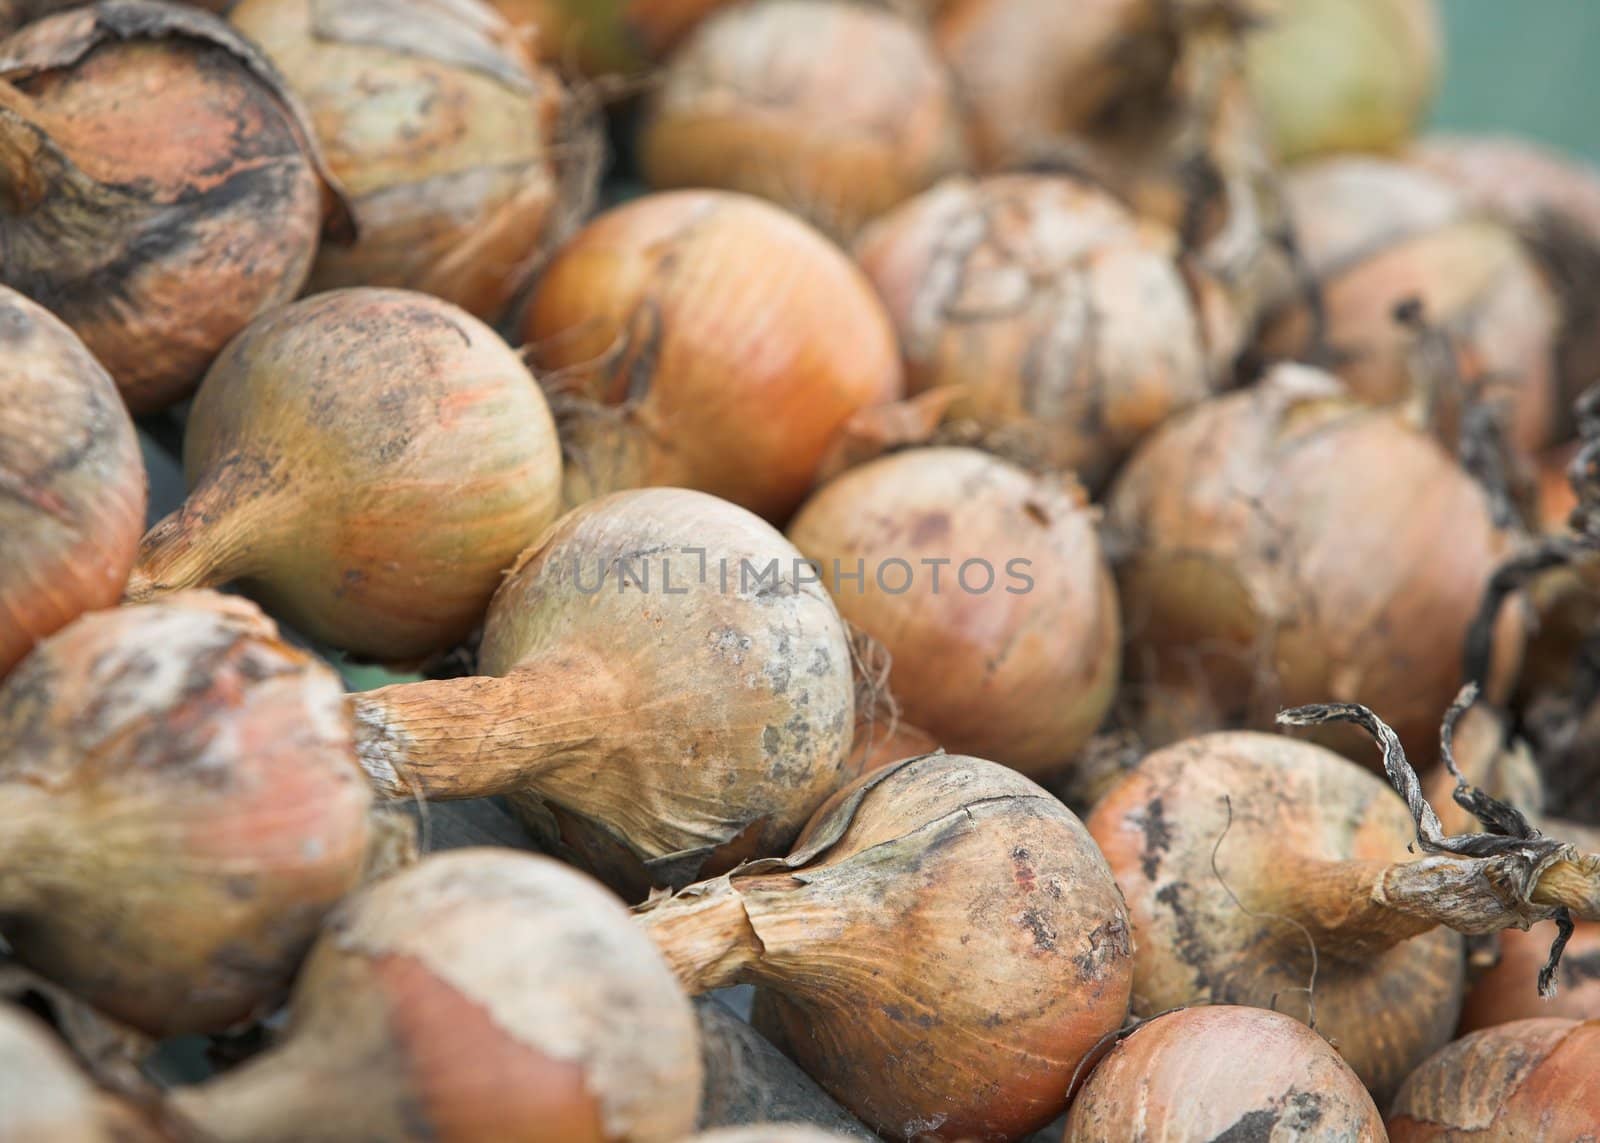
column 1054, row 310
column 1221, row 1072
column 1509, row 991
column 155, row 245
column 1532, row 1080
column 182, row 807
column 1020, row 672
column 444, row 133
column 72, row 485
column 834, row 110
column 725, row 341
column 1271, row 562
column 481, row 994
column 367, row 462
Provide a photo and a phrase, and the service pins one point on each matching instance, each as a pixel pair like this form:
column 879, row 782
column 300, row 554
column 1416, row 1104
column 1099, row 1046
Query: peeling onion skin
column 834, row 110
column 657, row 735
column 181, row 808
column 481, row 994
column 1532, row 1081
column 1223, row 1072
column 443, row 131
column 1272, row 564
column 367, row 463
column 926, row 906
column 1509, row 991
column 1055, row 310
column 707, row 340
column 1022, row 673
column 72, row 484
column 156, row 246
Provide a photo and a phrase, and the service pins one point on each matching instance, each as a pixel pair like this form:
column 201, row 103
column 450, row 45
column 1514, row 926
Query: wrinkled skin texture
column 44, row 1098
column 1223, row 1073
column 834, row 110
column 941, row 949
column 181, row 807
column 705, row 339
column 1052, row 308
column 408, row 1025
column 1020, row 672
column 72, row 486
column 1532, row 1081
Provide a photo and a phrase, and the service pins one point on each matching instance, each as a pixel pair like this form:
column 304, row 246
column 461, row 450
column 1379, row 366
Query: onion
column 1239, row 853
column 445, row 133
column 1345, row 75
column 711, row 341
column 1530, row 1080
column 156, row 245
column 1012, row 653
column 661, row 693
column 944, row 944
column 1223, row 1072
column 44, row 1098
column 15, row 13
column 878, row 743
column 832, row 109
column 72, row 485
column 770, row 1133
column 600, row 39
column 181, row 805
column 368, row 462
column 1507, row 992
column 481, row 994
column 1271, row 561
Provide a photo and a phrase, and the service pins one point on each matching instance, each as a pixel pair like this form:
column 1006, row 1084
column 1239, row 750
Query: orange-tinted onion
column 1509, row 991
column 879, row 742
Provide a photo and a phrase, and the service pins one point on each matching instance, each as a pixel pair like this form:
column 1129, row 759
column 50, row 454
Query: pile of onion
column 988, row 589
column 179, row 807
column 833, row 109
column 1222, row 1073
column 367, row 462
column 458, row 151
column 664, row 693
column 72, row 485
column 707, row 340
column 1049, row 308
column 481, row 994
column 155, row 244
column 602, row 39
column 1286, row 545
column 942, row 948
column 1531, row 1080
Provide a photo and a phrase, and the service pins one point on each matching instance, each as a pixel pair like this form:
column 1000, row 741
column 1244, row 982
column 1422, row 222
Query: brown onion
column 1345, row 75
column 72, row 485
column 1286, row 545
column 601, row 39
column 368, row 462
column 445, row 133
column 1223, row 1073
column 1509, row 990
column 181, row 807
column 1012, row 653
column 660, row 693
column 481, row 994
column 943, row 946
column 707, row 340
column 832, row 109
column 155, row 244
column 1532, row 1081
column 1048, row 306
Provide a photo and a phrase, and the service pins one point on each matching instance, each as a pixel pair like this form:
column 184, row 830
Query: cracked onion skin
column 1532, row 1081
column 443, row 131
column 834, row 110
column 941, row 949
column 709, row 340
column 366, row 462
column 481, row 994
column 658, row 724
column 1021, row 673
column 1057, row 312
column 155, row 245
column 72, row 484
column 181, row 807
column 1223, row 1072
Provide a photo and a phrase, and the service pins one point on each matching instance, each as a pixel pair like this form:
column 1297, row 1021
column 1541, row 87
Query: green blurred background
column 1524, row 66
